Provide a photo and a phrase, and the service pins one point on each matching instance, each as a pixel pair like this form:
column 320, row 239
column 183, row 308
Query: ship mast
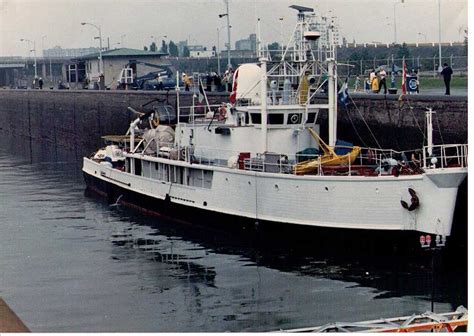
column 332, row 102
column 332, row 89
column 263, row 105
column 303, row 53
column 429, row 130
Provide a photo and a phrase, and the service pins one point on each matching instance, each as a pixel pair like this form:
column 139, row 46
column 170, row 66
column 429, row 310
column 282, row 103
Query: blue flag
column 343, row 94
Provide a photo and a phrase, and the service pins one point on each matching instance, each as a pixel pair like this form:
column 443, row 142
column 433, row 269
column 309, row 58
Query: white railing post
column 350, row 172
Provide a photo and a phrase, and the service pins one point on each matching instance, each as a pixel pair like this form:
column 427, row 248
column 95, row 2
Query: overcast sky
column 197, row 21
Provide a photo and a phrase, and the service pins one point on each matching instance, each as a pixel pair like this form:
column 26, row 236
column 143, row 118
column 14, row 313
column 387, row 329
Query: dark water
column 69, row 262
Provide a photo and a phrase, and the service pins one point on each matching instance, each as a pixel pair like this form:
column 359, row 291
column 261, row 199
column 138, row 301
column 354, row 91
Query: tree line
column 169, row 48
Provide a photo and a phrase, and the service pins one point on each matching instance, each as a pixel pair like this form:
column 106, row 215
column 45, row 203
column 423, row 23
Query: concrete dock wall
column 77, row 119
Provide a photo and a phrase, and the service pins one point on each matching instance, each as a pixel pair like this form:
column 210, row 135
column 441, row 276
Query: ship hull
column 322, row 240
column 233, row 195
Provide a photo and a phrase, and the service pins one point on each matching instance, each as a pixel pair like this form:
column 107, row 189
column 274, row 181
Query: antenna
column 302, row 9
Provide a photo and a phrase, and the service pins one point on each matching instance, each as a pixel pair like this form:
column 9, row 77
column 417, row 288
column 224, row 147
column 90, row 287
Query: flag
column 233, row 95
column 404, row 77
column 201, row 91
column 343, row 94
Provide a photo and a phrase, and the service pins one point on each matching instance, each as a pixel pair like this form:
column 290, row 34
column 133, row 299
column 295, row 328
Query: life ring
column 415, row 201
column 294, row 118
column 182, row 154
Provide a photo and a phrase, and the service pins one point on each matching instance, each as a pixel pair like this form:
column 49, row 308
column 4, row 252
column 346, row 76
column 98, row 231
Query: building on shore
column 87, row 69
column 249, row 43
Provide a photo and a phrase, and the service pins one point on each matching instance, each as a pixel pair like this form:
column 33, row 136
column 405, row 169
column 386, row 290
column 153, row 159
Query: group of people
column 378, row 79
column 374, row 83
column 38, row 82
column 212, row 81
column 399, row 164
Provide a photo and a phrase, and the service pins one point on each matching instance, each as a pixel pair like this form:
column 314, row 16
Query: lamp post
column 218, row 53
column 50, row 65
column 424, row 35
column 101, row 63
column 389, row 24
column 395, row 20
column 34, row 53
column 281, row 35
column 42, row 43
column 226, row 14
column 440, row 67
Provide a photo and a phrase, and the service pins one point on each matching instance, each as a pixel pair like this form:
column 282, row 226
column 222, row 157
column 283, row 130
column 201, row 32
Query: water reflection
column 390, row 274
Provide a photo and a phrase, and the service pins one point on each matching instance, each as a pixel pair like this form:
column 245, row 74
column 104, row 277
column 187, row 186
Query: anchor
column 415, row 202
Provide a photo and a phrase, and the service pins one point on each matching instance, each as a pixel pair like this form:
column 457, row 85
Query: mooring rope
column 363, row 119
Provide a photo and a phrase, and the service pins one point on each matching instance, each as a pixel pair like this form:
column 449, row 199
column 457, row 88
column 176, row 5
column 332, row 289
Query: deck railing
column 445, row 156
column 378, row 161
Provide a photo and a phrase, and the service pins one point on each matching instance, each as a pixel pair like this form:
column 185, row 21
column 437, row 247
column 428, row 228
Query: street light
column 440, row 68
column 281, row 35
column 424, row 35
column 395, row 20
column 388, row 25
column 218, row 50
column 50, row 65
column 34, row 53
column 226, row 14
column 101, row 62
column 42, row 43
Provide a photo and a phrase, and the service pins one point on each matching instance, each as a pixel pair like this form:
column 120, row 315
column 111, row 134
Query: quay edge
column 78, row 118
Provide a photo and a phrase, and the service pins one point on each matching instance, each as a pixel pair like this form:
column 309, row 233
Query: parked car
column 388, row 69
column 168, row 83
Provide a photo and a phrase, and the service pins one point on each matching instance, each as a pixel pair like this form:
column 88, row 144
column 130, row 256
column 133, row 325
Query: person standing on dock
column 383, row 76
column 374, row 82
column 357, row 84
column 447, row 72
column 40, row 83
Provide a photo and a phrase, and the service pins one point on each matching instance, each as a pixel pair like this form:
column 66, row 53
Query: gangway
column 426, row 322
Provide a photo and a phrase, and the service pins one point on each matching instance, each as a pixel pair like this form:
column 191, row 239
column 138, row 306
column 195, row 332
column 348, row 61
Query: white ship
column 261, row 160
